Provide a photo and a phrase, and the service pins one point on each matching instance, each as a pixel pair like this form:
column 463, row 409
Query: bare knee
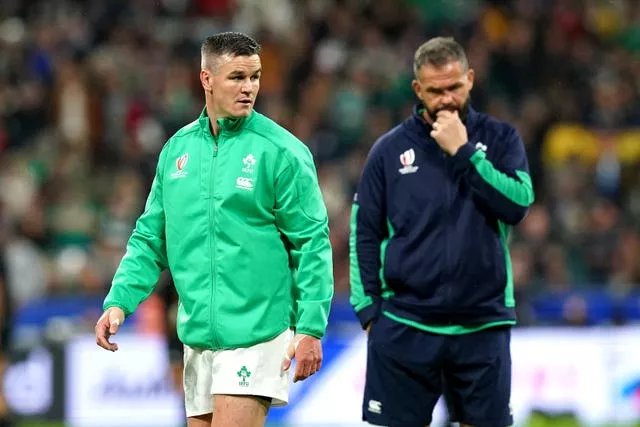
column 199, row 421
column 239, row 411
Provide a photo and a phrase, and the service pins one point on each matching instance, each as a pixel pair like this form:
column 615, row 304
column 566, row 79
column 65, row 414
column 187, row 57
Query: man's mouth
column 245, row 101
column 451, row 108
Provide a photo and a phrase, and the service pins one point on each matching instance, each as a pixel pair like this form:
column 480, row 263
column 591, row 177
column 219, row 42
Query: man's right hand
column 108, row 325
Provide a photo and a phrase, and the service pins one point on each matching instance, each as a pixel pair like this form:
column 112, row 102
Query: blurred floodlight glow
column 12, row 30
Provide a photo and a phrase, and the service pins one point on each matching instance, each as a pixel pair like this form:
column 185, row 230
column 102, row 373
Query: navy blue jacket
column 429, row 231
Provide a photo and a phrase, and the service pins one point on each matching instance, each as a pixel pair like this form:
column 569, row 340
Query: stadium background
column 90, row 90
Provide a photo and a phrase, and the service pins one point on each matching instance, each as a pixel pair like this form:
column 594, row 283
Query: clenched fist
column 449, row 131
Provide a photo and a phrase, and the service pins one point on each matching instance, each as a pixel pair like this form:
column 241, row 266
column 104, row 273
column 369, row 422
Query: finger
column 114, row 324
column 101, row 334
column 303, row 369
column 111, row 346
column 309, row 369
column 289, row 355
column 300, row 367
column 286, row 363
column 318, row 361
column 311, row 366
column 314, row 367
column 115, row 321
column 102, row 339
column 434, row 134
column 443, row 122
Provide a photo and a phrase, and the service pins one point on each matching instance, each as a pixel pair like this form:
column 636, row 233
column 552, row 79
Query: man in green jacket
column 236, row 214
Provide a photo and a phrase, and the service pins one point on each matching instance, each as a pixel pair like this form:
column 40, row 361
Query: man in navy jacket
column 431, row 277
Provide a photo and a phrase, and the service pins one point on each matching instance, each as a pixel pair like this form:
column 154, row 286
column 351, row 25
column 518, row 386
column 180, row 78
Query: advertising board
column 593, row 373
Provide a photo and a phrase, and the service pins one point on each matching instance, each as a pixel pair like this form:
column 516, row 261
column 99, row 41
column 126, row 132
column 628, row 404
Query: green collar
column 227, row 124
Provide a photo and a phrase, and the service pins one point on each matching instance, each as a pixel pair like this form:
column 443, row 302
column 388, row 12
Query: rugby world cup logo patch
column 181, row 163
column 407, row 159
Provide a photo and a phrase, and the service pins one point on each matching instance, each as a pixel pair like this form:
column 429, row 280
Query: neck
column 213, row 120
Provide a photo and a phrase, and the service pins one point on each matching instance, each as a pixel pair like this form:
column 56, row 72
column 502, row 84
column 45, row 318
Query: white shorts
column 253, row 371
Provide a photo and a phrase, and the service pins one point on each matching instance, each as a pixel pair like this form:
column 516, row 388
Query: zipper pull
column 215, row 150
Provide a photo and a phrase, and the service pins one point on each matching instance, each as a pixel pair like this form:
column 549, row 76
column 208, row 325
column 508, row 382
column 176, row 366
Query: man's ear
column 205, row 80
column 471, row 75
column 416, row 88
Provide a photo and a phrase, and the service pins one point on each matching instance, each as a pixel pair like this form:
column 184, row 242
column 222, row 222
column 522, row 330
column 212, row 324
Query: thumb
column 115, row 321
column 290, row 354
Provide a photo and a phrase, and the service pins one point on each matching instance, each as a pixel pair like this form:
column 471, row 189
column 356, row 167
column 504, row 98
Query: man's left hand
column 449, row 131
column 307, row 351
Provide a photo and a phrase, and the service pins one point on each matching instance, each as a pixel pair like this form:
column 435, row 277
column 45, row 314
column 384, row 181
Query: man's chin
column 243, row 111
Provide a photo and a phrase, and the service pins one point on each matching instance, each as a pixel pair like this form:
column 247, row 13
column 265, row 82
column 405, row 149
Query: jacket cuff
column 313, row 317
column 369, row 313
column 462, row 158
column 108, row 304
column 312, row 333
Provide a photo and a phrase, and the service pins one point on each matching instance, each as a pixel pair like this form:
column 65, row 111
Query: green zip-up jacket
column 240, row 222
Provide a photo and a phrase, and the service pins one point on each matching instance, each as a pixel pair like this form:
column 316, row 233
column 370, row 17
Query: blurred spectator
column 90, row 91
column 522, row 265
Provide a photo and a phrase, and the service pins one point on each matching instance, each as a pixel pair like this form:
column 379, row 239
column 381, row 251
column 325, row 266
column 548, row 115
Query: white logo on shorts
column 375, row 406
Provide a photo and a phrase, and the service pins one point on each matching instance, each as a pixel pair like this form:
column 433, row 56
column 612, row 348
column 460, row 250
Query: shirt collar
column 227, row 124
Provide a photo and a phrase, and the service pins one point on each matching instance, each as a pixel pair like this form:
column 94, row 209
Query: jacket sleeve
column 145, row 255
column 302, row 217
column 367, row 233
column 504, row 185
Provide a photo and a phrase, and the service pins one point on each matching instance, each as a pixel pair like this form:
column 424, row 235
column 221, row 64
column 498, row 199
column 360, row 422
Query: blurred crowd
column 90, row 91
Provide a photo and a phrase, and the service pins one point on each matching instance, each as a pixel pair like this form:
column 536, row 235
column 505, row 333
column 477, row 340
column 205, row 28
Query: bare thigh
column 239, row 411
column 199, row 421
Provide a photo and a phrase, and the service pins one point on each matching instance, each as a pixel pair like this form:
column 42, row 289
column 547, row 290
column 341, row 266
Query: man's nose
column 246, row 87
column 446, row 98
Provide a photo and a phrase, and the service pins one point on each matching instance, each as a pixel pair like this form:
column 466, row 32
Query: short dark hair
column 439, row 51
column 229, row 43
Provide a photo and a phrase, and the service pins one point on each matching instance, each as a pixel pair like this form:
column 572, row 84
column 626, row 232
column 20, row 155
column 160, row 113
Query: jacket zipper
column 212, row 243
